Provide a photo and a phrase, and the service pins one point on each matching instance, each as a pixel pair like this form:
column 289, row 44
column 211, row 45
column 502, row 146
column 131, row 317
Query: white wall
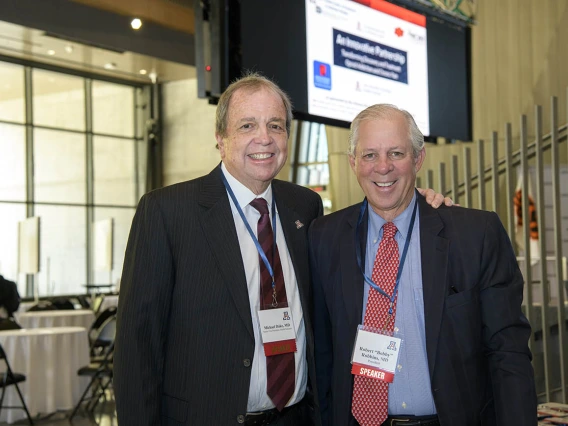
column 188, row 133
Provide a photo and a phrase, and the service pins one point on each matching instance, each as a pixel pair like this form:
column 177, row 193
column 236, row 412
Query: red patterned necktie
column 280, row 369
column 370, row 396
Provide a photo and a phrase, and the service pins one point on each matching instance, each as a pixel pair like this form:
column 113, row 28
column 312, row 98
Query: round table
column 50, row 359
column 71, row 318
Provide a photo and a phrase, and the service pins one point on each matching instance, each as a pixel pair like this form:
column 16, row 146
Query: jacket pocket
column 174, row 408
column 460, row 298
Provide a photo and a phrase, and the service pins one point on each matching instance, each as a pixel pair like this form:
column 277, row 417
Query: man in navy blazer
column 464, row 357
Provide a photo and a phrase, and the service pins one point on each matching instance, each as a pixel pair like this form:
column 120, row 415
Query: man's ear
column 420, row 160
column 352, row 161
column 220, row 144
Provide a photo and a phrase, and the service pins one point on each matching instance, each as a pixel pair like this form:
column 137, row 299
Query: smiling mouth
column 262, row 156
column 384, row 184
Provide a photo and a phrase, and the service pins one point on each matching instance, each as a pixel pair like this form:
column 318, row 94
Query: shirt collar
column 244, row 195
column 402, row 221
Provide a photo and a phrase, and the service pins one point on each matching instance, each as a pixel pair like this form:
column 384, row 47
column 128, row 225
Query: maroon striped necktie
column 280, row 369
column 370, row 396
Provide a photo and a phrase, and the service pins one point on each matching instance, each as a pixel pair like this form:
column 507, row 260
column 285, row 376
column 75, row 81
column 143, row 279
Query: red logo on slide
column 322, row 70
column 399, row 32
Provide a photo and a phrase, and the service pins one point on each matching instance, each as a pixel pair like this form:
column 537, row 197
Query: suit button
column 246, row 362
column 240, row 418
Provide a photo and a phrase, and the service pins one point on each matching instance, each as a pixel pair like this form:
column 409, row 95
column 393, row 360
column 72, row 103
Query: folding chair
column 95, row 330
column 97, row 303
column 10, row 378
column 100, row 369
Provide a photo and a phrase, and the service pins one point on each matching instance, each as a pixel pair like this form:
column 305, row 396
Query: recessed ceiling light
column 110, row 66
column 143, row 72
column 69, row 48
column 136, row 23
column 51, row 52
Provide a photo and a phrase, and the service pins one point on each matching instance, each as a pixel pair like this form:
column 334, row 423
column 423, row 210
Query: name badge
column 277, row 331
column 375, row 355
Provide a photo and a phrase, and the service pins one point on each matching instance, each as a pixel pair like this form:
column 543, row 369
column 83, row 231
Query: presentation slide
column 364, row 54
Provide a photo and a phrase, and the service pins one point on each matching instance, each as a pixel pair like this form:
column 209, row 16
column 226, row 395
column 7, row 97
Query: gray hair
column 381, row 111
column 250, row 82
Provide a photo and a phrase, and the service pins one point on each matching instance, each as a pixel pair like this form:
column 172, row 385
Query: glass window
column 312, row 167
column 59, row 166
column 11, row 214
column 115, row 179
column 12, row 105
column 58, row 100
column 113, row 109
column 122, row 220
column 12, row 162
column 313, row 175
column 63, row 184
column 63, row 250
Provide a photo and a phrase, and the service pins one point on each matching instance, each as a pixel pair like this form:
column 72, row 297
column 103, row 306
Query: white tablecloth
column 24, row 306
column 50, row 359
column 77, row 318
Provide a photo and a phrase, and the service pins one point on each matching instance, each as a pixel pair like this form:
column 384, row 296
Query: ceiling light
column 51, row 52
column 110, row 66
column 136, row 23
column 69, row 48
column 143, row 72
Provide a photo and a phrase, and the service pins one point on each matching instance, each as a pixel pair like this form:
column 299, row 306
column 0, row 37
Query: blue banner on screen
column 359, row 54
column 322, row 75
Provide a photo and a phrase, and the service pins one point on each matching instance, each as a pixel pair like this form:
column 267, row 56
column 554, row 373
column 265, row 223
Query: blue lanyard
column 368, row 280
column 249, row 229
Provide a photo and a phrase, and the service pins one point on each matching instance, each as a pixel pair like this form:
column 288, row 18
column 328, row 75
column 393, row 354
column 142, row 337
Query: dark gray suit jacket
column 476, row 339
column 185, row 341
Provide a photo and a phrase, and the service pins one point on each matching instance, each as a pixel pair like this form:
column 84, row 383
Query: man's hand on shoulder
column 435, row 199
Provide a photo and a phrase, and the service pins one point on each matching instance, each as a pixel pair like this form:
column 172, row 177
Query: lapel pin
column 298, row 224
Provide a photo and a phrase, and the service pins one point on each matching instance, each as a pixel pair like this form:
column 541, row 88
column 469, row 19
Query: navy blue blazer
column 476, row 339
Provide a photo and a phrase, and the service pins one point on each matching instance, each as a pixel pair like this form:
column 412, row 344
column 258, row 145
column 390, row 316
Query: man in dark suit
column 188, row 348
column 446, row 284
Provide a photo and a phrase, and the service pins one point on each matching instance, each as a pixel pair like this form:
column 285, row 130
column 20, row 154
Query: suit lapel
column 434, row 255
column 219, row 230
column 351, row 278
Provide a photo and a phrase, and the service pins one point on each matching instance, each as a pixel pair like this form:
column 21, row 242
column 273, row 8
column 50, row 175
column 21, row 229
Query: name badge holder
column 375, row 353
column 276, row 325
column 277, row 331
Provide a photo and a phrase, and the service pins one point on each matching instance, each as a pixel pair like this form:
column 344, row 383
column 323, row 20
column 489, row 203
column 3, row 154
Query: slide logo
column 322, row 75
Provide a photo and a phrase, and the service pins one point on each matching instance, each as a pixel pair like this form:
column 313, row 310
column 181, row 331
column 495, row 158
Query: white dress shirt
column 258, row 400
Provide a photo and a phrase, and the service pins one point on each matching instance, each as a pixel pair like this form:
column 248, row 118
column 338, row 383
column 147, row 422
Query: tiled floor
column 103, row 416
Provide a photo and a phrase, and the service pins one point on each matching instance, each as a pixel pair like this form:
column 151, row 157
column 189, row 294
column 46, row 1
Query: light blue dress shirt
column 410, row 393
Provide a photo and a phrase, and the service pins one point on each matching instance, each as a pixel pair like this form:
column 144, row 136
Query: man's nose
column 263, row 135
column 383, row 164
